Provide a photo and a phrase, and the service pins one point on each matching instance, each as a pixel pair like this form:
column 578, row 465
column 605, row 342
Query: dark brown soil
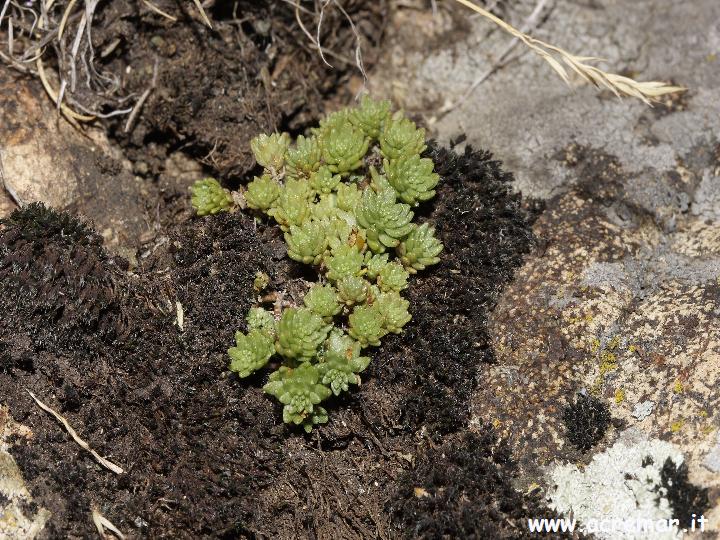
column 205, row 454
column 254, row 72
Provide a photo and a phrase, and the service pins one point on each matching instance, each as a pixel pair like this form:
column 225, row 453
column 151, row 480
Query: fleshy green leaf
column 412, row 178
column 269, row 150
column 420, row 249
column 209, row 197
column 251, row 352
column 401, row 137
column 299, row 390
column 262, row 192
column 323, row 300
column 366, row 325
column 300, row 332
column 307, row 243
column 385, row 220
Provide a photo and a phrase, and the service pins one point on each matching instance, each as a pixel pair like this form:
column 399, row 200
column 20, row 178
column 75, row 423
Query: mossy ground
column 206, row 454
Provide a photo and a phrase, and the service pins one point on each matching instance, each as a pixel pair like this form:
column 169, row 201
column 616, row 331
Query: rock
column 19, row 516
column 621, row 296
column 45, row 159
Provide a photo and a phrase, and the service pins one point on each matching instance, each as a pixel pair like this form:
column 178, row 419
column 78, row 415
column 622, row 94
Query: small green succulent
column 375, row 263
column 344, row 148
column 299, row 334
column 305, row 158
column 342, row 231
column 340, row 362
column 292, row 207
column 340, row 210
column 340, row 373
column 348, row 196
column 209, row 197
column 324, row 181
column 270, row 150
column 412, row 177
column 385, row 220
column 420, row 249
column 370, row 116
column 307, row 243
column 261, row 281
column 401, row 137
column 323, row 300
column 393, row 309
column 251, row 352
column 344, row 261
column 332, row 120
column 262, row 192
column 300, row 391
column 352, row 290
column 393, row 277
column 366, row 325
column 262, row 320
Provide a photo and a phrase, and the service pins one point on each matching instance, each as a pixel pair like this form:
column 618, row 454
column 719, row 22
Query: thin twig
column 104, row 462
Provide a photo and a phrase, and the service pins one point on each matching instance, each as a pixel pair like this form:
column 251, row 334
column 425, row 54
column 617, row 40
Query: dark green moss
column 586, row 420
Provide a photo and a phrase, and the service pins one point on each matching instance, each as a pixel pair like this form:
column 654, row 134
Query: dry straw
column 618, row 84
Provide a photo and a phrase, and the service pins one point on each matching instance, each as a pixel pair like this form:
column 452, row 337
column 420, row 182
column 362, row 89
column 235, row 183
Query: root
column 104, row 462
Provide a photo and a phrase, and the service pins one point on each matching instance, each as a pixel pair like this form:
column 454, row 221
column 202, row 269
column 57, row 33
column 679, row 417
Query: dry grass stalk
column 203, row 14
column 104, row 462
column 617, row 84
column 102, row 523
column 153, row 7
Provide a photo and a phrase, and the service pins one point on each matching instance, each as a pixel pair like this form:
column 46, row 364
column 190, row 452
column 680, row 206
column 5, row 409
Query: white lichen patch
column 619, row 489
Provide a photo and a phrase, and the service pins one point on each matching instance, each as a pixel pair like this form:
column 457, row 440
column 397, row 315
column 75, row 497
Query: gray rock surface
column 621, row 298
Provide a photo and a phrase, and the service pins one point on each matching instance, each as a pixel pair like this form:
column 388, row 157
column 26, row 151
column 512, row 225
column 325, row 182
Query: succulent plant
column 338, row 373
column 261, row 281
column 251, row 352
column 270, row 150
column 340, row 361
column 262, row 192
column 261, row 319
column 209, row 197
column 292, row 207
column 385, row 220
column 401, row 137
column 340, row 211
column 299, row 390
column 394, row 311
column 370, row 116
column 393, row 277
column 344, row 261
column 307, row 243
column 348, row 196
column 412, row 177
column 324, row 181
column 366, row 325
column 299, row 334
column 352, row 290
column 305, row 158
column 344, row 148
column 420, row 249
column 375, row 263
column 323, row 300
